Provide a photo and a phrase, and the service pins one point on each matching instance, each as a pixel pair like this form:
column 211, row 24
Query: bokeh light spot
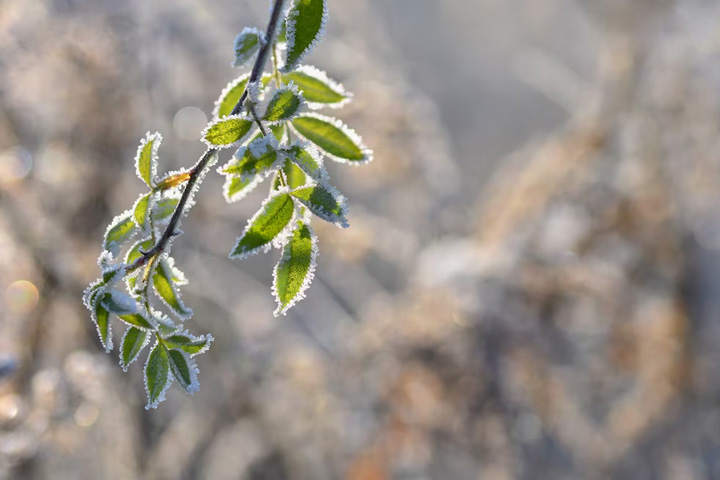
column 189, row 123
column 21, row 297
column 15, row 164
column 86, row 414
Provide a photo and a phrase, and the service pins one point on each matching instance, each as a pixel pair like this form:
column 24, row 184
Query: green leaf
column 227, row 131
column 166, row 290
column 236, row 189
column 259, row 157
column 164, row 208
column 157, row 375
column 134, row 252
column 309, row 160
column 121, row 228
column 132, row 344
column 126, row 309
column 333, row 137
column 293, row 176
column 147, row 158
column 141, row 210
column 247, row 44
column 264, row 226
column 101, row 317
column 317, row 88
column 282, row 34
column 188, row 343
column 284, row 104
column 184, row 370
column 278, row 131
column 325, row 202
column 295, row 270
column 305, row 26
column 230, row 96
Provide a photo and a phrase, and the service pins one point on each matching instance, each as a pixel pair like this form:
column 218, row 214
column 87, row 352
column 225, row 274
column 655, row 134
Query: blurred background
column 530, row 287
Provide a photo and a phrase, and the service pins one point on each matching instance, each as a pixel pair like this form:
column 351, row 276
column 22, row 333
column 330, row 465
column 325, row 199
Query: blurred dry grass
column 529, row 287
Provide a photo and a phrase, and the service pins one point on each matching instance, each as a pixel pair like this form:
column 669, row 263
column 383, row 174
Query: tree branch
column 199, row 167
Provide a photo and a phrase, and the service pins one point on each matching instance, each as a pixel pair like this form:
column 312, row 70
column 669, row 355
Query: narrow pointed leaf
column 309, row 160
column 188, row 343
column 236, row 189
column 141, row 210
column 317, row 88
column 325, row 202
column 267, row 224
column 184, row 370
column 101, row 317
column 227, row 131
column 147, row 158
column 260, row 157
column 296, row 268
column 121, row 229
column 126, row 309
column 284, row 104
column 166, row 290
column 157, row 375
column 333, row 137
column 247, row 44
column 306, row 21
column 132, row 344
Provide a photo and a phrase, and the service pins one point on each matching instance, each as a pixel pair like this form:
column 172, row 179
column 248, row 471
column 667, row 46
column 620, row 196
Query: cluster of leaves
column 272, row 122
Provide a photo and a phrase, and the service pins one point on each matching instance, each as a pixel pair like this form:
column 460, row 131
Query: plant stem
column 199, row 167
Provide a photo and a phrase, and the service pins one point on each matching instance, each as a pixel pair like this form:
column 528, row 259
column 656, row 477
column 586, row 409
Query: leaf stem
column 199, row 167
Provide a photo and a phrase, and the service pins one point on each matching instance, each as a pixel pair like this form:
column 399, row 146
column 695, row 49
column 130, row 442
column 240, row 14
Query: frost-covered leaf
column 184, row 370
column 141, row 210
column 157, row 375
column 164, row 208
column 135, row 251
column 131, row 257
column 127, row 309
column 236, row 189
column 121, row 229
column 267, row 224
column 132, row 344
column 230, row 96
column 295, row 270
column 166, row 290
column 317, row 88
column 282, row 33
column 247, row 44
column 188, row 343
column 259, row 157
column 305, row 26
column 278, row 131
column 101, row 317
column 146, row 159
column 284, row 104
column 294, row 177
column 227, row 131
column 325, row 202
column 309, row 160
column 333, row 137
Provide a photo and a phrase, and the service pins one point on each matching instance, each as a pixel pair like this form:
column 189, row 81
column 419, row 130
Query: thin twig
column 199, row 167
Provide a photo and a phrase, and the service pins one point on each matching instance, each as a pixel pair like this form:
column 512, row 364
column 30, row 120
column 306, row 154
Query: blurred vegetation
column 529, row 287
